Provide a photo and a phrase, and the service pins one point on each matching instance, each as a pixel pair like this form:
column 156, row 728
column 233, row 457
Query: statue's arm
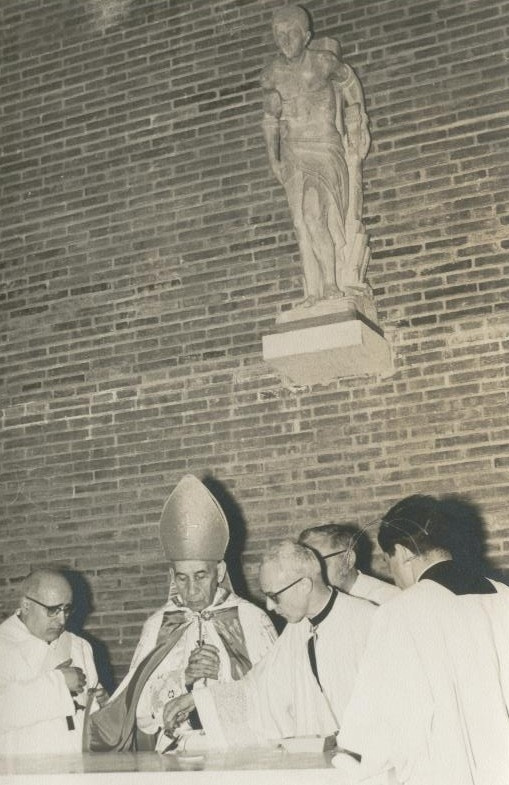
column 355, row 116
column 272, row 108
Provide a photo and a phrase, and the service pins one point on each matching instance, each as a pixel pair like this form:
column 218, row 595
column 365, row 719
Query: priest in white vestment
column 336, row 546
column 303, row 684
column 45, row 672
column 431, row 704
column 204, row 633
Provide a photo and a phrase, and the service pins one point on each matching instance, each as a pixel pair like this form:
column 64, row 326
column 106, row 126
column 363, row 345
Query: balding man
column 302, row 686
column 45, row 671
column 335, row 545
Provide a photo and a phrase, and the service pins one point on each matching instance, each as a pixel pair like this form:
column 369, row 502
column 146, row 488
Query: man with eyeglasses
column 45, row 671
column 335, row 545
column 302, row 686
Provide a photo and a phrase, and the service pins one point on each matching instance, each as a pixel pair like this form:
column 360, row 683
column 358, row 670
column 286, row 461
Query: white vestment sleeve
column 229, row 716
column 390, row 675
column 431, row 696
column 259, row 632
column 35, row 701
column 279, row 697
column 249, row 711
column 25, row 703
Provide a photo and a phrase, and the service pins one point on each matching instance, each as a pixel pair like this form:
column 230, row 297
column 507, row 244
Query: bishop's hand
column 176, row 712
column 203, row 663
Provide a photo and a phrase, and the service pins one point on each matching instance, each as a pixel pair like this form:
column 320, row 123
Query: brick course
column 146, row 248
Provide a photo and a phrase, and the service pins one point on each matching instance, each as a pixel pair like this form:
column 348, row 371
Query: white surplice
column 34, row 699
column 280, row 696
column 432, row 697
column 373, row 589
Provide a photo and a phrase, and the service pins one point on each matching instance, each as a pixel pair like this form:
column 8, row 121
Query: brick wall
column 146, row 248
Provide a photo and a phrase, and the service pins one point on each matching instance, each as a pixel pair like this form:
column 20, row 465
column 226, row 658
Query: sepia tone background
column 146, row 249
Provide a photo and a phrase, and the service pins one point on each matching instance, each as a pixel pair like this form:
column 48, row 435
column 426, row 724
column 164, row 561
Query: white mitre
column 193, row 526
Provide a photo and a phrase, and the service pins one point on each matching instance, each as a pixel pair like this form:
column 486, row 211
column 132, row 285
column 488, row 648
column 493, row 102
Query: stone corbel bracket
column 329, row 341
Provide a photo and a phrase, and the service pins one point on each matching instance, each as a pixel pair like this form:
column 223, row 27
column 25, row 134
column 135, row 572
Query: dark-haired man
column 432, row 699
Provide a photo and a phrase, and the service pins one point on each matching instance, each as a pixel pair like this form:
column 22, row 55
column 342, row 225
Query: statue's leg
column 315, row 211
column 337, row 232
column 312, row 278
column 357, row 252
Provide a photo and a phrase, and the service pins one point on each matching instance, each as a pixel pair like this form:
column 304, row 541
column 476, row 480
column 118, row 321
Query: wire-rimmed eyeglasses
column 273, row 595
column 335, row 553
column 53, row 610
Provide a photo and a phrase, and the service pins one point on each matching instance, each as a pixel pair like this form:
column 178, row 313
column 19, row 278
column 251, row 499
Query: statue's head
column 291, row 27
column 293, row 14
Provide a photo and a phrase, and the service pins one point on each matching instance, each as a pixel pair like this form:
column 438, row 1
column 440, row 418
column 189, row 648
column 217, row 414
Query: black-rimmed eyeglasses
column 53, row 610
column 273, row 595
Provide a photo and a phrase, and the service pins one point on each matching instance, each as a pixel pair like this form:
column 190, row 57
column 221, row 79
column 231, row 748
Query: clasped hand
column 100, row 695
column 203, row 663
column 74, row 677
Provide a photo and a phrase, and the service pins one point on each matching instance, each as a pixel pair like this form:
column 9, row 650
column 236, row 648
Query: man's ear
column 403, row 553
column 24, row 605
column 221, row 571
column 307, row 582
column 351, row 558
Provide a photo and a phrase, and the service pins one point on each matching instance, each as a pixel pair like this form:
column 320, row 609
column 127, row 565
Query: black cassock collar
column 316, row 620
column 450, row 575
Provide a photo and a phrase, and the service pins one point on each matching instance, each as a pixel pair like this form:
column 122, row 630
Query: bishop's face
column 196, row 582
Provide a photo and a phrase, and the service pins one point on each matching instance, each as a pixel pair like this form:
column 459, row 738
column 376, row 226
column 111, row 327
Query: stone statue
column 316, row 130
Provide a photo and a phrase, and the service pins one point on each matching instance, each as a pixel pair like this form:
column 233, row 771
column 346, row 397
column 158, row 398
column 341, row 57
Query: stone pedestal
column 333, row 339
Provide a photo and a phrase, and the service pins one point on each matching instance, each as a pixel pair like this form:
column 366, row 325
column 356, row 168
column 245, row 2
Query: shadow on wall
column 236, row 545
column 235, row 549
column 83, row 605
column 468, row 536
column 464, row 535
column 237, row 525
